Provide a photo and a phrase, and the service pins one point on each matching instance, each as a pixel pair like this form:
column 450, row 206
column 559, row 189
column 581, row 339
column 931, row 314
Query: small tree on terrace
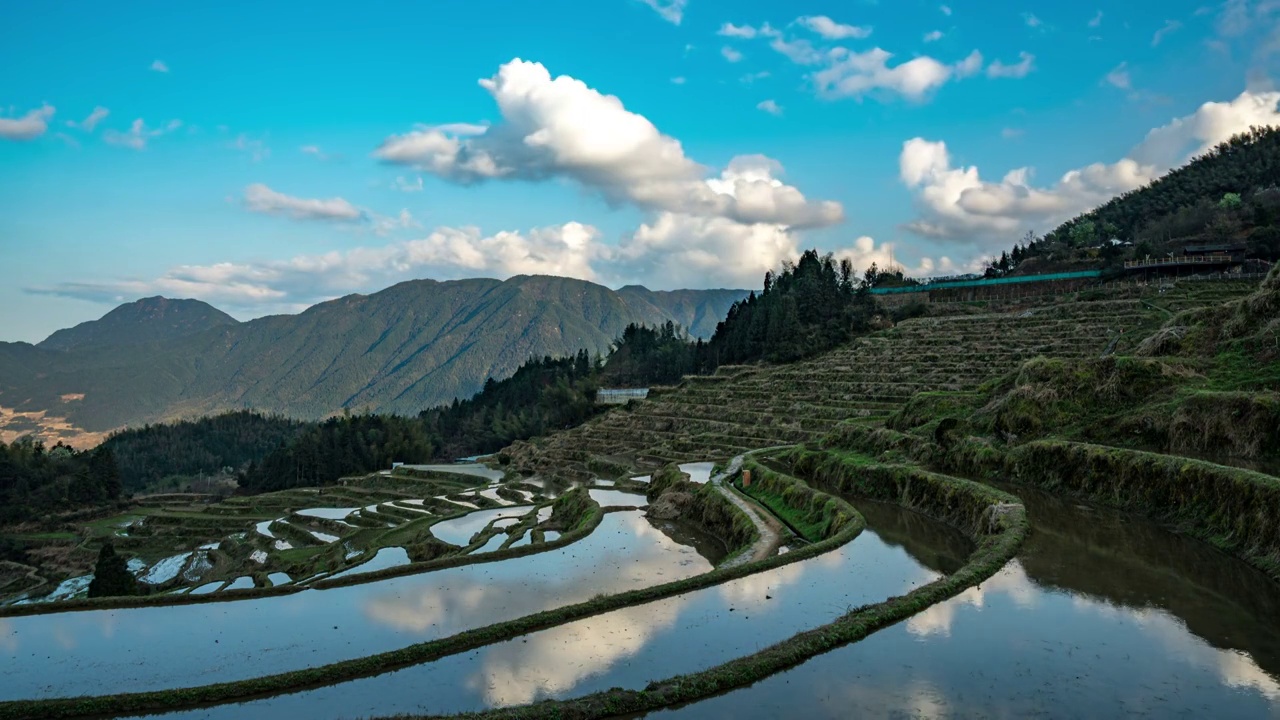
column 111, row 575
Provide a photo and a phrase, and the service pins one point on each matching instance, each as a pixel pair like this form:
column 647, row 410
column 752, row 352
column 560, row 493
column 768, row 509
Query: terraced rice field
column 911, row 593
column 743, row 408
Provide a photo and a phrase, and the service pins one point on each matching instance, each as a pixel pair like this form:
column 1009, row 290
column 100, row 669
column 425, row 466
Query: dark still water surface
column 1100, row 616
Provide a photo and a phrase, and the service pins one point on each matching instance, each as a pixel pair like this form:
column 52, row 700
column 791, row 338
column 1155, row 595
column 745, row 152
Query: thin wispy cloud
column 736, row 31
column 770, row 106
column 1020, row 69
column 138, row 135
column 1119, row 77
column 404, row 184
column 315, row 152
column 829, row 29
column 159, row 66
column 91, row 121
column 1170, row 26
column 670, row 10
column 261, row 199
column 255, row 148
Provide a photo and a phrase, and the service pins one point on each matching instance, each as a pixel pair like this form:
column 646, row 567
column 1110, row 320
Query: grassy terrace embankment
column 845, row 526
column 742, row 408
column 992, row 519
column 703, row 505
column 1234, row 509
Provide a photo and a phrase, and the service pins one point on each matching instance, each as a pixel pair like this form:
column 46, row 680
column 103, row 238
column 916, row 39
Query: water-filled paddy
column 105, row 651
column 458, row 531
column 1099, row 616
column 699, row 472
column 473, row 469
column 617, row 498
column 631, row 646
column 387, row 557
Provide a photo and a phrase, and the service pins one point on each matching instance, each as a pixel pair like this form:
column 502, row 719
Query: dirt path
column 767, row 526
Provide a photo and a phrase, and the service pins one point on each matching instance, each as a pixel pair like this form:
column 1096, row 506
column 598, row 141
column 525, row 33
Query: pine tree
column 111, row 576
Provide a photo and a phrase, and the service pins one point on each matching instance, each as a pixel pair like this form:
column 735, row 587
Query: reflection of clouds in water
column 1236, row 668
column 920, row 699
column 472, row 597
column 753, row 588
column 8, row 637
column 1012, row 580
column 107, row 623
column 553, row 661
column 65, row 638
column 418, row 613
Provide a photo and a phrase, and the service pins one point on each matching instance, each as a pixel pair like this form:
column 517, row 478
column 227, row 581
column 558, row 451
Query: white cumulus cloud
column 28, row 127
column 955, row 202
column 561, row 128
column 730, row 54
column 853, row 74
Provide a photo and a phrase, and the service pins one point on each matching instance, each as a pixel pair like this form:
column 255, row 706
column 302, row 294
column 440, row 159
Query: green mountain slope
column 146, row 320
column 406, row 348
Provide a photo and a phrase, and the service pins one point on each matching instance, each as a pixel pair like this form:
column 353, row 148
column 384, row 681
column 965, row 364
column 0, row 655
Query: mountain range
column 411, row 346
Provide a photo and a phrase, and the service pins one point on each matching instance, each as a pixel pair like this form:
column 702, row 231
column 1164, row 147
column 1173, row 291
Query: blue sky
column 264, row 156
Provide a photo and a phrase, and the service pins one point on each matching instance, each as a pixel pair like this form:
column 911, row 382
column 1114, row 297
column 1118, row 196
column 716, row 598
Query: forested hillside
column 149, row 454
column 411, row 346
column 1227, row 195
column 35, row 480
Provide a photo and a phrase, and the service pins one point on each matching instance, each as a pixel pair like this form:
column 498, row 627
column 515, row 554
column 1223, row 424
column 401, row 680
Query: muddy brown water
column 1101, row 615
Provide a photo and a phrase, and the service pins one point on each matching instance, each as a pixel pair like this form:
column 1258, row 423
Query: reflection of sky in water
column 617, row 498
column 386, row 557
column 1011, row 648
column 626, row 647
column 473, row 469
column 459, row 530
column 328, row 513
column 699, row 472
column 104, row 651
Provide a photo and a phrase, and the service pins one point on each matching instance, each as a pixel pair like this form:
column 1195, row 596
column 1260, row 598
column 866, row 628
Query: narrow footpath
column 767, row 527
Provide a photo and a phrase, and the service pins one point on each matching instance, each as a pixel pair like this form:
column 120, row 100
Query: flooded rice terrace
column 1099, row 616
column 631, row 646
column 106, row 651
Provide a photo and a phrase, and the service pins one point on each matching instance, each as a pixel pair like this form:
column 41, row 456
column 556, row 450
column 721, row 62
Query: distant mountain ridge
column 146, row 320
column 400, row 350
